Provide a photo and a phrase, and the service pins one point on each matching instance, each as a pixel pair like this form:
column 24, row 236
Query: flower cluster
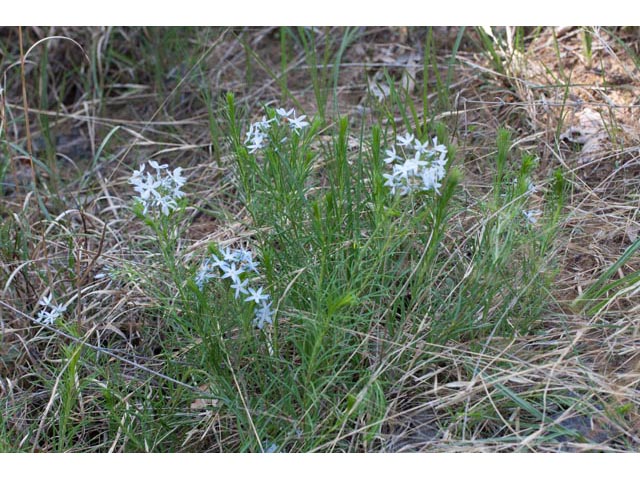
column 416, row 165
column 50, row 313
column 258, row 134
column 236, row 264
column 160, row 190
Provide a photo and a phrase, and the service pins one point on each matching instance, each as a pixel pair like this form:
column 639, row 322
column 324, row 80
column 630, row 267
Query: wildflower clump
column 416, row 166
column 238, row 265
column 258, row 135
column 160, row 190
column 51, row 312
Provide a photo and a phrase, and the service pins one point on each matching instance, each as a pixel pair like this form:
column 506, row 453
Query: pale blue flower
column 160, row 190
column 298, row 124
column 231, row 271
column 421, row 148
column 284, row 113
column 256, row 296
column 391, row 155
column 431, row 180
column 406, row 140
column 233, row 264
column 51, row 312
column 229, row 255
column 532, row 215
column 263, row 315
column 422, row 170
column 271, row 448
column 240, row 287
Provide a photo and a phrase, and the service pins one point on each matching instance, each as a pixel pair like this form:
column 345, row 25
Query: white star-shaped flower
column 256, row 296
column 232, row 271
column 286, row 114
column 391, row 155
column 240, row 287
column 298, row 123
column 406, row 140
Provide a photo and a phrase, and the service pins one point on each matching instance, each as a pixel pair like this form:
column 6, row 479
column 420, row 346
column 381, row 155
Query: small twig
column 96, row 256
column 26, row 106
